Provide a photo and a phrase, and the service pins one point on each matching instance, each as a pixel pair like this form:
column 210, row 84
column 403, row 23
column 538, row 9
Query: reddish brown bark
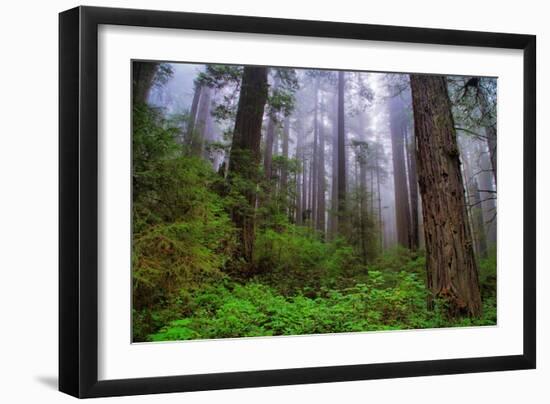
column 451, row 267
column 245, row 153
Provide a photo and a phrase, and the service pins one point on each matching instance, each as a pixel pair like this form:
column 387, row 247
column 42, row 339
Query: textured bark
column 342, row 205
column 143, row 74
column 451, row 267
column 402, row 208
column 413, row 190
column 245, row 152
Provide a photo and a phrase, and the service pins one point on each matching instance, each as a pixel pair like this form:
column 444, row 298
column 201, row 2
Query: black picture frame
column 78, row 201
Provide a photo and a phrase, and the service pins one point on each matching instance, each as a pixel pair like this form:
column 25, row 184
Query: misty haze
column 279, row 201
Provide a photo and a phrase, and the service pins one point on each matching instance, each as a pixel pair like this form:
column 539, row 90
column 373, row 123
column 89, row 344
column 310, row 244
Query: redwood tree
column 245, row 153
column 451, row 266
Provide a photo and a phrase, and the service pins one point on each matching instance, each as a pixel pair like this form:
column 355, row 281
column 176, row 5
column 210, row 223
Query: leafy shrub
column 255, row 309
column 182, row 234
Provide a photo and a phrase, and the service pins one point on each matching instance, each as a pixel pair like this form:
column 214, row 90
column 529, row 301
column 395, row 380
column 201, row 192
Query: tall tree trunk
column 315, row 157
column 363, row 208
column 269, row 137
column 321, row 185
column 304, row 188
column 199, row 131
column 342, row 205
column 299, row 178
column 487, row 195
column 379, row 194
column 451, row 267
column 193, row 112
column 334, row 172
column 490, row 133
column 402, row 209
column 268, row 156
column 284, row 168
column 143, row 75
column 245, row 153
column 477, row 219
column 413, row 189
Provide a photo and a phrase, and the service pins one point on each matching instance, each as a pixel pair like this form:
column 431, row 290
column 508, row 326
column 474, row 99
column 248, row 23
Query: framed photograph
column 251, row 201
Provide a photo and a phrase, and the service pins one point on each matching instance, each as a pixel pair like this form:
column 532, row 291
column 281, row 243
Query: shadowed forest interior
column 283, row 201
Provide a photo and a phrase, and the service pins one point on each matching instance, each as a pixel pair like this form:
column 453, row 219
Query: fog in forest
column 280, row 201
column 369, row 98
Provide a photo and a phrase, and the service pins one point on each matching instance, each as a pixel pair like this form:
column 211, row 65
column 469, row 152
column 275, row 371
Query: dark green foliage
column 182, row 235
column 190, row 280
column 255, row 309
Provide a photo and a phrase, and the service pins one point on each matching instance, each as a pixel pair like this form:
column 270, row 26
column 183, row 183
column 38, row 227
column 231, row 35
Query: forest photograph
column 281, row 201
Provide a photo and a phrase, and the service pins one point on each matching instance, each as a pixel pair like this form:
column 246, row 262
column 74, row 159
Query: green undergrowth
column 392, row 297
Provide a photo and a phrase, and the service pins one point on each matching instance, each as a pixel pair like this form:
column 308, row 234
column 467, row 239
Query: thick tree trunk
column 402, row 209
column 451, row 267
column 245, row 153
column 342, row 205
column 143, row 75
column 413, row 190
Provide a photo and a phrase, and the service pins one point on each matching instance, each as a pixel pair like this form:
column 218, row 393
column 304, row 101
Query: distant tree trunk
column 334, row 187
column 199, row 131
column 413, row 190
column 477, row 219
column 143, row 75
column 304, row 189
column 321, row 185
column 268, row 156
column 245, row 152
column 363, row 208
column 193, row 112
column 402, row 209
column 269, row 137
column 342, row 205
column 284, row 168
column 490, row 133
column 487, row 195
column 315, row 157
column 451, row 267
column 380, row 221
column 299, row 180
